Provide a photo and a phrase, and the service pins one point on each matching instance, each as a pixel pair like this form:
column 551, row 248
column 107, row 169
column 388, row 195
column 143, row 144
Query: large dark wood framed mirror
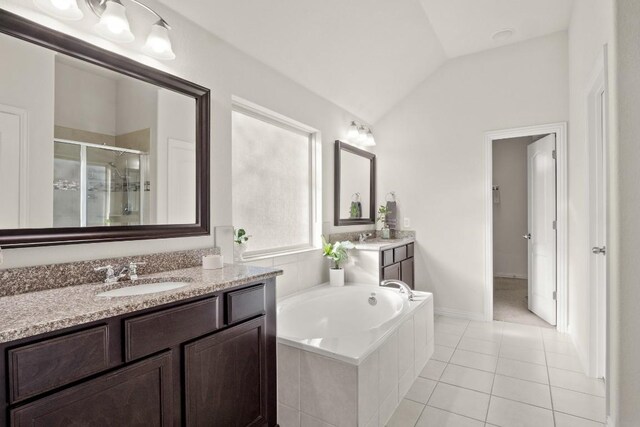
column 96, row 147
column 354, row 185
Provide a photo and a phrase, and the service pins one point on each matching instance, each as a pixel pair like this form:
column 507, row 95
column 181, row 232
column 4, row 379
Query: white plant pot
column 336, row 276
column 238, row 251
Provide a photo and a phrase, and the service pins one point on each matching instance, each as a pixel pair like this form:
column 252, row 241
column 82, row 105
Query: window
column 274, row 180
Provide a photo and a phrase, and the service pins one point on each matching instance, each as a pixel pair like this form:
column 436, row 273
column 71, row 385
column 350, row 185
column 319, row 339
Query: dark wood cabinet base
column 192, row 367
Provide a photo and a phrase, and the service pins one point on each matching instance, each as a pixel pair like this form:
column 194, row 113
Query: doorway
column 525, row 249
column 524, row 241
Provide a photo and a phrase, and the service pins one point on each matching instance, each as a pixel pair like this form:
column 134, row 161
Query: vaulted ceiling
column 366, row 55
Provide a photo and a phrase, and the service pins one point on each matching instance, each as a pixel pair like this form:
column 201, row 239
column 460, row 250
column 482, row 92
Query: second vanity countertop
column 29, row 314
column 379, row 244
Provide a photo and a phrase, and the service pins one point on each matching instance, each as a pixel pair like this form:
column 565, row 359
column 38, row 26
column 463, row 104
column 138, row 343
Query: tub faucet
column 393, row 283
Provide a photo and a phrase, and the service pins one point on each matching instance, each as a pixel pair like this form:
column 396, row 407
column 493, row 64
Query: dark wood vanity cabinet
column 137, row 395
column 397, row 263
column 188, row 363
column 226, row 377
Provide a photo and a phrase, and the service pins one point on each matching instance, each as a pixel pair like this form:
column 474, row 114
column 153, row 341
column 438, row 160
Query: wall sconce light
column 114, row 24
column 361, row 135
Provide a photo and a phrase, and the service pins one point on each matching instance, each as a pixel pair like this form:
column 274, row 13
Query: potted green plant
column 240, row 239
column 383, row 211
column 338, row 254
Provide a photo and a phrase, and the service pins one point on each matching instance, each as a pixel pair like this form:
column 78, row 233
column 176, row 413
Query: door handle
column 599, row 251
column 527, row 236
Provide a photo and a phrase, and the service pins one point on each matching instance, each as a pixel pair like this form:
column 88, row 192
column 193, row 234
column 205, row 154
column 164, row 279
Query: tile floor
column 501, row 374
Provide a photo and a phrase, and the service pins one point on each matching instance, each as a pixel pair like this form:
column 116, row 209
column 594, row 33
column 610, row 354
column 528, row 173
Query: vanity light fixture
column 353, row 131
column 62, row 9
column 370, row 142
column 158, row 43
column 114, row 24
column 360, row 134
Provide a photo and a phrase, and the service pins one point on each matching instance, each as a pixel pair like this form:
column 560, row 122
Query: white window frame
column 249, row 108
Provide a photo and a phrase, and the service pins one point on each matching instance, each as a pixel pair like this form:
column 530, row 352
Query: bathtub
column 348, row 355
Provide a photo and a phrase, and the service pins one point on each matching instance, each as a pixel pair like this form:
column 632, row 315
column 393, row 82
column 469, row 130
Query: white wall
column 84, row 100
column 210, row 62
column 624, row 236
column 28, row 85
column 430, row 149
column 589, row 31
column 510, row 255
column 136, row 106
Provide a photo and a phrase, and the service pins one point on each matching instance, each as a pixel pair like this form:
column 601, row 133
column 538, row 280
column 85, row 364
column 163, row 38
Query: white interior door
column 598, row 226
column 181, row 182
column 541, row 173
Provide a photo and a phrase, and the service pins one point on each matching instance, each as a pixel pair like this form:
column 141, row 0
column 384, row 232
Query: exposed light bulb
column 114, row 24
column 62, row 9
column 158, row 44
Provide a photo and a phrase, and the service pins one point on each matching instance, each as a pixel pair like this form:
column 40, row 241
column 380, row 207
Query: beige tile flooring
column 501, row 374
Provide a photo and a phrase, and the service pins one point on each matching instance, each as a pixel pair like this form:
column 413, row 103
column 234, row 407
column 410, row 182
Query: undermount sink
column 142, row 289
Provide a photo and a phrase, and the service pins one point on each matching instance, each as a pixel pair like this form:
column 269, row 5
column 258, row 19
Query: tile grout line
column 486, row 417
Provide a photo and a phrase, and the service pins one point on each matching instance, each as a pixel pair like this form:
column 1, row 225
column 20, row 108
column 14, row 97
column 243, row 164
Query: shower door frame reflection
column 84, row 179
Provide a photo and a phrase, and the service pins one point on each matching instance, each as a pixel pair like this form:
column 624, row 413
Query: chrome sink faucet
column 131, row 270
column 402, row 286
column 364, row 236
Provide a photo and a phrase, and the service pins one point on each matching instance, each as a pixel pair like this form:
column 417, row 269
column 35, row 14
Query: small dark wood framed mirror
column 104, row 148
column 354, row 185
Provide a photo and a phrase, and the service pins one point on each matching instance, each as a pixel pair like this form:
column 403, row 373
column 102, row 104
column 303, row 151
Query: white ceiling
column 366, row 55
column 466, row 26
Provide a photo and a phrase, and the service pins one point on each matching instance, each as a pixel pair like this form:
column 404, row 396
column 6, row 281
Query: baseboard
column 460, row 314
column 510, row 276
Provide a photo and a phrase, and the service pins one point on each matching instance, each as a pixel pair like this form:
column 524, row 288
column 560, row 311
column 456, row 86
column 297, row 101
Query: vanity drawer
column 410, row 250
column 157, row 331
column 43, row 366
column 387, row 257
column 245, row 303
column 400, row 254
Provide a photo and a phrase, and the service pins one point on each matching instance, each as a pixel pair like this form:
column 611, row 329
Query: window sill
column 259, row 257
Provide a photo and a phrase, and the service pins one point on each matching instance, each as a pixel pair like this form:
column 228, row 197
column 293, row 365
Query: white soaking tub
column 348, row 355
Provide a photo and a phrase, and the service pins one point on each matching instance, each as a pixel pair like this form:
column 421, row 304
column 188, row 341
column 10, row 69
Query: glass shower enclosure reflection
column 99, row 185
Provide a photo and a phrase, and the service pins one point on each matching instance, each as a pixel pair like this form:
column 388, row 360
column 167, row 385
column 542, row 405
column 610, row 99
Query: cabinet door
column 391, row 272
column 138, row 395
column 406, row 272
column 225, row 374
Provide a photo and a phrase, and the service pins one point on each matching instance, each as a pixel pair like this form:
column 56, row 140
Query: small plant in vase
column 240, row 239
column 383, row 211
column 338, row 254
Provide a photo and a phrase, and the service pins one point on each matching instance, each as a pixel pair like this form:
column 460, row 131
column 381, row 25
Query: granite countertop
column 378, row 244
column 28, row 314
